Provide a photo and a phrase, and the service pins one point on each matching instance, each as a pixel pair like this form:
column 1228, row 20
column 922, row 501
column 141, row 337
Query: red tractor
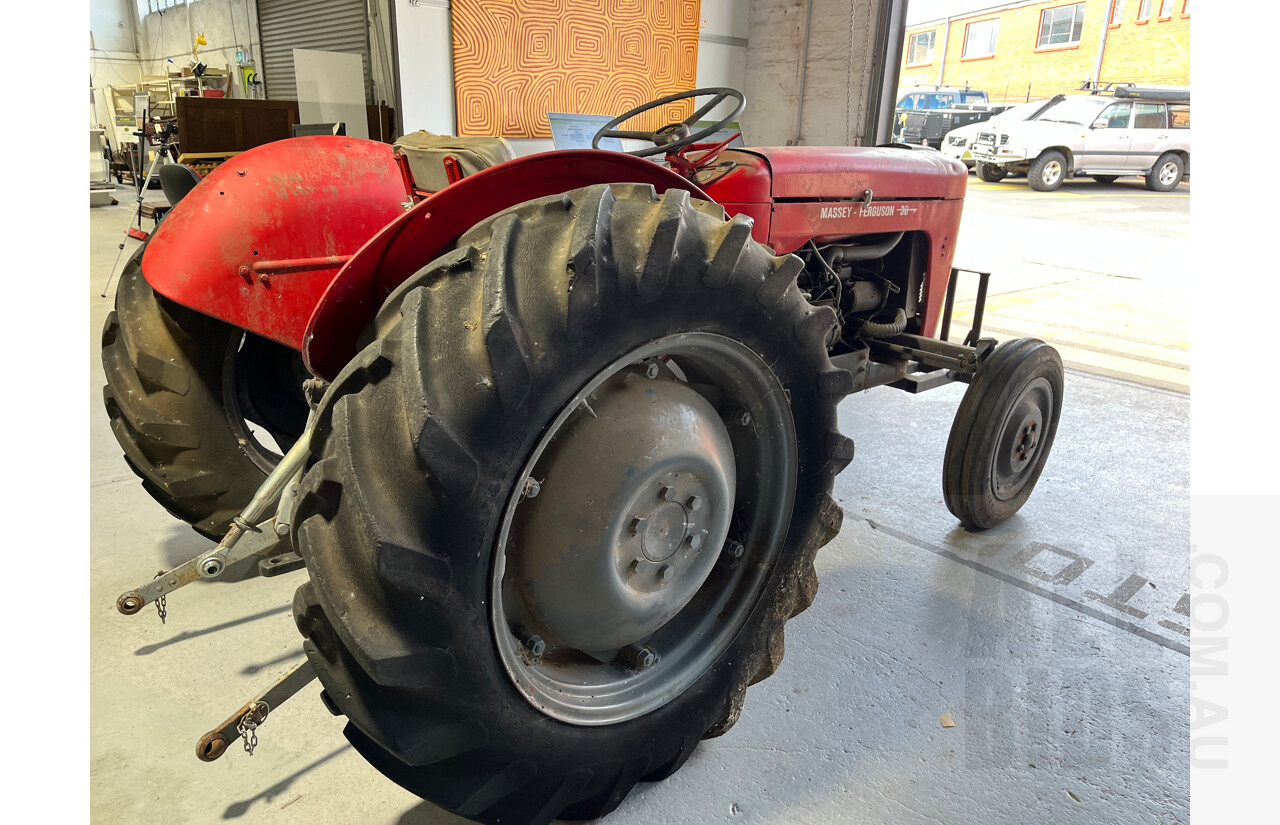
column 555, row 442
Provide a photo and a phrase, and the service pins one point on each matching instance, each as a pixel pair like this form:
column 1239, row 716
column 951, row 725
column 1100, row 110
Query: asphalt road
column 1101, row 271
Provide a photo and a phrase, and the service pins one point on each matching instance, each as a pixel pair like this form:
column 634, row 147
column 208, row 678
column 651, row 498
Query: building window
column 146, row 7
column 920, row 50
column 1166, row 8
column 1144, row 10
column 1061, row 26
column 1117, row 12
column 980, row 38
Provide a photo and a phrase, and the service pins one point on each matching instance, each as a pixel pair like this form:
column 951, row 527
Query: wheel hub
column 1019, row 439
column 633, row 509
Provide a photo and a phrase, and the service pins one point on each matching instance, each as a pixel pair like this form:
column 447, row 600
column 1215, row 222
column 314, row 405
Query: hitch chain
column 161, row 607
column 250, row 723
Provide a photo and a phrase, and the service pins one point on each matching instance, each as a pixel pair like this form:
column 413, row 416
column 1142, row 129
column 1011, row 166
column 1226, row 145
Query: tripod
column 165, row 148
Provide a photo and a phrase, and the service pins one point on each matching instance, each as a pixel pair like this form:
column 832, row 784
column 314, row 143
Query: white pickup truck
column 1141, row 130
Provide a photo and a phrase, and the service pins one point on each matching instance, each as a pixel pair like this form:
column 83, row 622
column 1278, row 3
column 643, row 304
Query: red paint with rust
column 418, row 236
column 311, row 201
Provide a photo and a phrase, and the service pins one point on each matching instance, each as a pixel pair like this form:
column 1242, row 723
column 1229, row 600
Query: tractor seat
column 426, row 153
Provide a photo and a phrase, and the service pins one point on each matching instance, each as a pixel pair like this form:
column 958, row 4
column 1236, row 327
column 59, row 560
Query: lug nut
column 734, row 549
column 744, row 418
column 695, row 541
column 636, row 527
column 639, row 656
column 694, row 502
column 532, row 488
column 667, row 492
column 535, row 647
column 666, row 572
column 651, row 371
column 636, row 564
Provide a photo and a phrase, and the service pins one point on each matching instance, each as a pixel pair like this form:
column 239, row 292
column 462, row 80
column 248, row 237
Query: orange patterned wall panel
column 516, row 60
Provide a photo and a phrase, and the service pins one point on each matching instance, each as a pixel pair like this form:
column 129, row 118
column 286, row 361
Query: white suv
column 957, row 142
column 1140, row 131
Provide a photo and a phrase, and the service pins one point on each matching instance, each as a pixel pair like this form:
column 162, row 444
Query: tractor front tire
column 1002, row 433
column 562, row 369
column 177, row 408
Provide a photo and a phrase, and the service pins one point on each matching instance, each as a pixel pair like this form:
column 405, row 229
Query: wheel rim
column 1022, row 433
column 1169, row 173
column 1052, row 172
column 617, row 582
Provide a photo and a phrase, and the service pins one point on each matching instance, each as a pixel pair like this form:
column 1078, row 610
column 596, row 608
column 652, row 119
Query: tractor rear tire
column 177, row 401
column 1002, row 433
column 427, row 442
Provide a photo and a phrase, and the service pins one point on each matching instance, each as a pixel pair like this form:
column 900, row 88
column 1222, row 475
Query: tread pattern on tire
column 163, row 365
column 419, row 440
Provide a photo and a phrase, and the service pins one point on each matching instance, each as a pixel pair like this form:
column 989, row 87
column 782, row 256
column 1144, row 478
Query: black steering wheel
column 673, row 136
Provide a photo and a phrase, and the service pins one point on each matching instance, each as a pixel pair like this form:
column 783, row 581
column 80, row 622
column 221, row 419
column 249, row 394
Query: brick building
column 1029, row 50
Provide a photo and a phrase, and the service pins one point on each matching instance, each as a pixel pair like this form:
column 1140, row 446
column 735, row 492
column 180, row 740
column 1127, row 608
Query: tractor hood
column 843, row 172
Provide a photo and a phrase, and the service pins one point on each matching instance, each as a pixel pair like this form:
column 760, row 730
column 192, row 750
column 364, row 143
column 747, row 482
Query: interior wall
column 166, row 38
column 424, row 46
column 813, row 92
column 113, row 58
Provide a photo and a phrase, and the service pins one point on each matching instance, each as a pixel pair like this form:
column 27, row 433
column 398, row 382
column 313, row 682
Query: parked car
column 929, row 127
column 955, row 144
column 1140, row 130
column 931, row 97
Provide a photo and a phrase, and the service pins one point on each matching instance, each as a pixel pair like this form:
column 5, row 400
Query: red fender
column 257, row 241
column 420, row 235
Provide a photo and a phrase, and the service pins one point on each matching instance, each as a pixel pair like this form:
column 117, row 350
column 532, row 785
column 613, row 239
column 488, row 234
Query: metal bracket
column 246, row 537
column 281, row 564
column 215, row 743
column 263, row 543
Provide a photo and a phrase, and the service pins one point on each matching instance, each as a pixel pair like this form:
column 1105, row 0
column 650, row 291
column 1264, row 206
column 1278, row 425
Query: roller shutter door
column 324, row 25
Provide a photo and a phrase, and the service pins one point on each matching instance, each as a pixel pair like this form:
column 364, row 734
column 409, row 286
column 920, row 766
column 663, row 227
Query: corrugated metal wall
column 324, row 25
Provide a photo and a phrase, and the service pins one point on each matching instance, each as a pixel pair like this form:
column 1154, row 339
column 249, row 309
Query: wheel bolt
column 695, row 541
column 636, row 527
column 636, row 564
column 734, row 549
column 639, row 656
column 666, row 572
column 667, row 492
column 694, row 502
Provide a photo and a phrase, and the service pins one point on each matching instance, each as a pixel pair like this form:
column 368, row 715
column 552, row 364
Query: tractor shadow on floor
column 238, row 809
column 425, row 813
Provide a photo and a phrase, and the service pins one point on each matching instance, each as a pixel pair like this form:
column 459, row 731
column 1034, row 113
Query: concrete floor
column 1053, row 641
